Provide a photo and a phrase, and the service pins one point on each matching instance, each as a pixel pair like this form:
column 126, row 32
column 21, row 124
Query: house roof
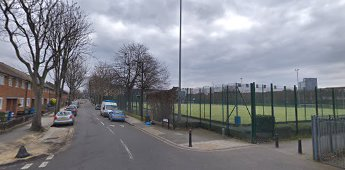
column 6, row 69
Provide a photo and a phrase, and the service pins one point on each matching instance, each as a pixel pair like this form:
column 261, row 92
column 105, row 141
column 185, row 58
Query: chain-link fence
column 228, row 108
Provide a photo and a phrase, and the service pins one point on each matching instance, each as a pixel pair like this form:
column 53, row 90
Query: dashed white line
column 102, row 123
column 50, row 157
column 97, row 118
column 112, row 125
column 122, row 125
column 43, row 164
column 111, row 131
column 26, row 166
column 128, row 151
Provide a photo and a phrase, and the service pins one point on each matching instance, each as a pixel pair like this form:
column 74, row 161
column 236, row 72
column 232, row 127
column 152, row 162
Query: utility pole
column 179, row 67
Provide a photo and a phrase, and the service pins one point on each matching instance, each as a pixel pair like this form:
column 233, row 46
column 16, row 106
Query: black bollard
column 299, row 146
column 277, row 140
column 190, row 137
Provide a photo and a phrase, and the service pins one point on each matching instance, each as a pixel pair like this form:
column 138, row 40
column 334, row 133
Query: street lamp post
column 179, row 68
column 297, row 69
column 298, row 98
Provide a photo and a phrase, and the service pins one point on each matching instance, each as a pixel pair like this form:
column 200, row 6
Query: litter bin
column 237, row 120
column 147, row 118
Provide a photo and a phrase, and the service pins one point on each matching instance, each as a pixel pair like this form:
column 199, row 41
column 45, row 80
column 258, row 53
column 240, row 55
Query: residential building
column 16, row 92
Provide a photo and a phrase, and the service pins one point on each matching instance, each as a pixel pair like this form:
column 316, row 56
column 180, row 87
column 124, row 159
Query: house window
column 23, row 84
column 0, row 103
column 21, row 102
column 16, row 81
column 2, row 80
column 29, row 86
column 10, row 81
column 28, row 102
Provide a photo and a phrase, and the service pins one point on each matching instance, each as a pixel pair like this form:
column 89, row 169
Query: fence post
column 203, row 89
column 227, row 107
column 236, row 98
column 222, row 106
column 316, row 102
column 333, row 102
column 190, row 103
column 272, row 111
column 210, row 106
column 253, row 109
column 263, row 99
column 296, row 109
column 285, row 104
column 200, row 107
column 314, row 126
column 186, row 99
column 305, row 107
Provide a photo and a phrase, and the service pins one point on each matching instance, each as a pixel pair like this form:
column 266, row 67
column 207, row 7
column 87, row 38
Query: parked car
column 117, row 115
column 98, row 107
column 108, row 106
column 63, row 118
column 73, row 109
column 76, row 103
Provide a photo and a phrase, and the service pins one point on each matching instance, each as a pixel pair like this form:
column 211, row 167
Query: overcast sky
column 225, row 40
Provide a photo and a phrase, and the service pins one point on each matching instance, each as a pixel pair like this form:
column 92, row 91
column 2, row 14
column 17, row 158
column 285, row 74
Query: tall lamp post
column 179, row 67
column 297, row 69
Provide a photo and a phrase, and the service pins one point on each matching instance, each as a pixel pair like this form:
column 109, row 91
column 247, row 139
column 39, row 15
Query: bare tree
column 133, row 61
column 69, row 39
column 26, row 24
column 102, row 83
column 75, row 76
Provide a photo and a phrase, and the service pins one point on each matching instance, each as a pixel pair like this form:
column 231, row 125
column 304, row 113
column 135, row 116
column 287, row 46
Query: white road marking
column 128, row 151
column 43, row 164
column 102, row 123
column 50, row 157
column 112, row 125
column 26, row 166
column 97, row 118
column 111, row 131
column 122, row 125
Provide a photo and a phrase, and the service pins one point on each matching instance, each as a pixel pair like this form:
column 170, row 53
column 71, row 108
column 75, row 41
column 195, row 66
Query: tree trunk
column 129, row 100
column 36, row 124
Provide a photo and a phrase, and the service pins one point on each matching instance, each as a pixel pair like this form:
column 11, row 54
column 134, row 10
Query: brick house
column 16, row 93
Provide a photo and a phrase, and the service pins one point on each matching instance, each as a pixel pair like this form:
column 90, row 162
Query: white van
column 107, row 106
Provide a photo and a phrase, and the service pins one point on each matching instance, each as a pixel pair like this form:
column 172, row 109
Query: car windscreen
column 70, row 107
column 110, row 107
column 63, row 113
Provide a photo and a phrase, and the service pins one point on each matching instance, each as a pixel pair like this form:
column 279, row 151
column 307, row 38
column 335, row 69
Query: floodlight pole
column 179, row 68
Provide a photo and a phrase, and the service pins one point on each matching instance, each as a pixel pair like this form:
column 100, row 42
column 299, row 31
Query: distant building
column 307, row 84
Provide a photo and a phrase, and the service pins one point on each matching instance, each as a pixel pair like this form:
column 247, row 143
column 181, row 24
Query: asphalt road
column 99, row 144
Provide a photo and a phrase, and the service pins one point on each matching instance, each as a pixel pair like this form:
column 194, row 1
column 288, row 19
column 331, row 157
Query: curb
column 175, row 145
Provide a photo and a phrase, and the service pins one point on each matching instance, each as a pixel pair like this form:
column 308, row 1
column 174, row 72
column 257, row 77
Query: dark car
column 73, row 109
column 98, row 107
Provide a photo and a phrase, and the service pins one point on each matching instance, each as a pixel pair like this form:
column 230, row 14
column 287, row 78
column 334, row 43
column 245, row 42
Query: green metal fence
column 231, row 106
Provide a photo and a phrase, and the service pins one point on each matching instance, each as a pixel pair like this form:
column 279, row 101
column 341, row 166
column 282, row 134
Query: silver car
column 63, row 118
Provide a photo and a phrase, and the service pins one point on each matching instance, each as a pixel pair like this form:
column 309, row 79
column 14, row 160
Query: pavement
column 98, row 143
column 202, row 140
column 37, row 143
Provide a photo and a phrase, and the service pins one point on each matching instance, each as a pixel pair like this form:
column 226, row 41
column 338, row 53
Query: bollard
column 223, row 132
column 277, row 140
column 190, row 137
column 299, row 146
